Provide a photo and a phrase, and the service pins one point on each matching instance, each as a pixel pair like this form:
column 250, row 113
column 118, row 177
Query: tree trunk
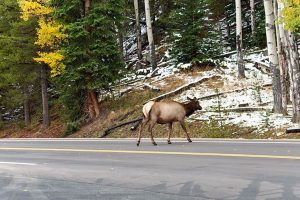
column 121, row 44
column 45, row 103
column 94, row 97
column 92, row 101
column 26, row 105
column 87, row 4
column 239, row 39
column 138, row 29
column 252, row 10
column 294, row 72
column 273, row 57
column 150, row 35
column 282, row 59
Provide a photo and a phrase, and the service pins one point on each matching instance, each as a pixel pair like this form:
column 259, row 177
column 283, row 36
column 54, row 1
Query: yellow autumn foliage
column 50, row 33
column 53, row 60
column 31, row 8
column 290, row 15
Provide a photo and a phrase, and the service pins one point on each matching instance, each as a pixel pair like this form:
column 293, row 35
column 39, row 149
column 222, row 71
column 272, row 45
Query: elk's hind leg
column 143, row 124
column 170, row 132
column 151, row 125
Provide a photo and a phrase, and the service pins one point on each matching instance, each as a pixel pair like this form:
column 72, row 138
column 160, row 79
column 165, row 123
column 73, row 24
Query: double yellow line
column 154, row 153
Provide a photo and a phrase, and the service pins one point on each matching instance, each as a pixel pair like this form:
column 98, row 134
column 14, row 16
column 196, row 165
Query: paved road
column 117, row 169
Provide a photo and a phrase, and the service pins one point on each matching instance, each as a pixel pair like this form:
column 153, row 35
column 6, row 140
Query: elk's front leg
column 185, row 130
column 170, row 132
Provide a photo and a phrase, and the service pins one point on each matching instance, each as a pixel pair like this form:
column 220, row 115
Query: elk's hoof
column 154, row 143
column 189, row 140
column 169, row 142
column 138, row 144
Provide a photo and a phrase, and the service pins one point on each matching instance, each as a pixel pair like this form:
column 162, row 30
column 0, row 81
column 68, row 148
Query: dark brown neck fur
column 189, row 109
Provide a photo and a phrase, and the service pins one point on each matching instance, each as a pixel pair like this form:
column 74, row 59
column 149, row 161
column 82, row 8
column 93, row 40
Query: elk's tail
column 147, row 108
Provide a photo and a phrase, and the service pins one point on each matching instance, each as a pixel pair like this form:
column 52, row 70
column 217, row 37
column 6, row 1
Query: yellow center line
column 157, row 153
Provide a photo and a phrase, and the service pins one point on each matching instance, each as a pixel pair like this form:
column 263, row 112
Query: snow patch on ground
column 253, row 92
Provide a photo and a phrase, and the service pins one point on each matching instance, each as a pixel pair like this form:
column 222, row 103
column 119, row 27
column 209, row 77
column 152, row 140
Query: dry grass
column 196, row 130
column 171, row 83
column 215, row 82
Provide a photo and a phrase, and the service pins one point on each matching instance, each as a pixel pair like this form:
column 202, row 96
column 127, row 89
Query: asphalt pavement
column 116, row 169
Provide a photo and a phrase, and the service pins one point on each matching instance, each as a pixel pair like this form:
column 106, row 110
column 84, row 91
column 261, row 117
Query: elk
column 167, row 113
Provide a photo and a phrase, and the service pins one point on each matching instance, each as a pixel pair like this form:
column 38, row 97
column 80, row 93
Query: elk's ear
column 188, row 98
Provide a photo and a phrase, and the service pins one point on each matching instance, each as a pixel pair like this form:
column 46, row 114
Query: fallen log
column 182, row 88
column 122, row 92
column 134, row 127
column 246, row 109
column 152, row 88
column 234, row 52
column 293, row 130
column 237, row 110
column 231, row 91
column 224, row 55
column 261, row 66
column 122, row 117
column 107, row 131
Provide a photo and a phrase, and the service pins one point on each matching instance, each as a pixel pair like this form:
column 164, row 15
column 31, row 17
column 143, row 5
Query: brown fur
column 167, row 113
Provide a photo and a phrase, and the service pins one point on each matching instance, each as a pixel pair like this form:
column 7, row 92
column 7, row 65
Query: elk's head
column 194, row 103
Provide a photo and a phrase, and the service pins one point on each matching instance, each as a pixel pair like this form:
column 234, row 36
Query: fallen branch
column 230, row 91
column 293, row 130
column 246, row 109
column 182, row 88
column 261, row 66
column 122, row 117
column 152, row 88
column 224, row 55
column 234, row 52
column 107, row 131
column 238, row 110
column 134, row 127
column 125, row 91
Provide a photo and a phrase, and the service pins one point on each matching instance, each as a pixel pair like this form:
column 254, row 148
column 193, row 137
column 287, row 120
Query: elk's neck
column 188, row 110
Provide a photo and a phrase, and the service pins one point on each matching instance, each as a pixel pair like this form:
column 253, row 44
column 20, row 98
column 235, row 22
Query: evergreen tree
column 92, row 55
column 18, row 72
column 193, row 33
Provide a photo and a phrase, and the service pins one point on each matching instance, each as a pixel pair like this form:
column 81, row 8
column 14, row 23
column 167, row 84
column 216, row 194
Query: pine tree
column 18, row 71
column 49, row 36
column 193, row 33
column 92, row 55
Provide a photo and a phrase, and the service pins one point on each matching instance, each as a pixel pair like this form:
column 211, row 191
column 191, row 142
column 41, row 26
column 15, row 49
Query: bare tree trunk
column 253, row 23
column 121, row 44
column 294, row 72
column 87, row 4
column 26, row 106
column 94, row 97
column 282, row 58
column 45, row 103
column 150, row 35
column 290, row 72
column 138, row 29
column 239, row 39
column 273, row 57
